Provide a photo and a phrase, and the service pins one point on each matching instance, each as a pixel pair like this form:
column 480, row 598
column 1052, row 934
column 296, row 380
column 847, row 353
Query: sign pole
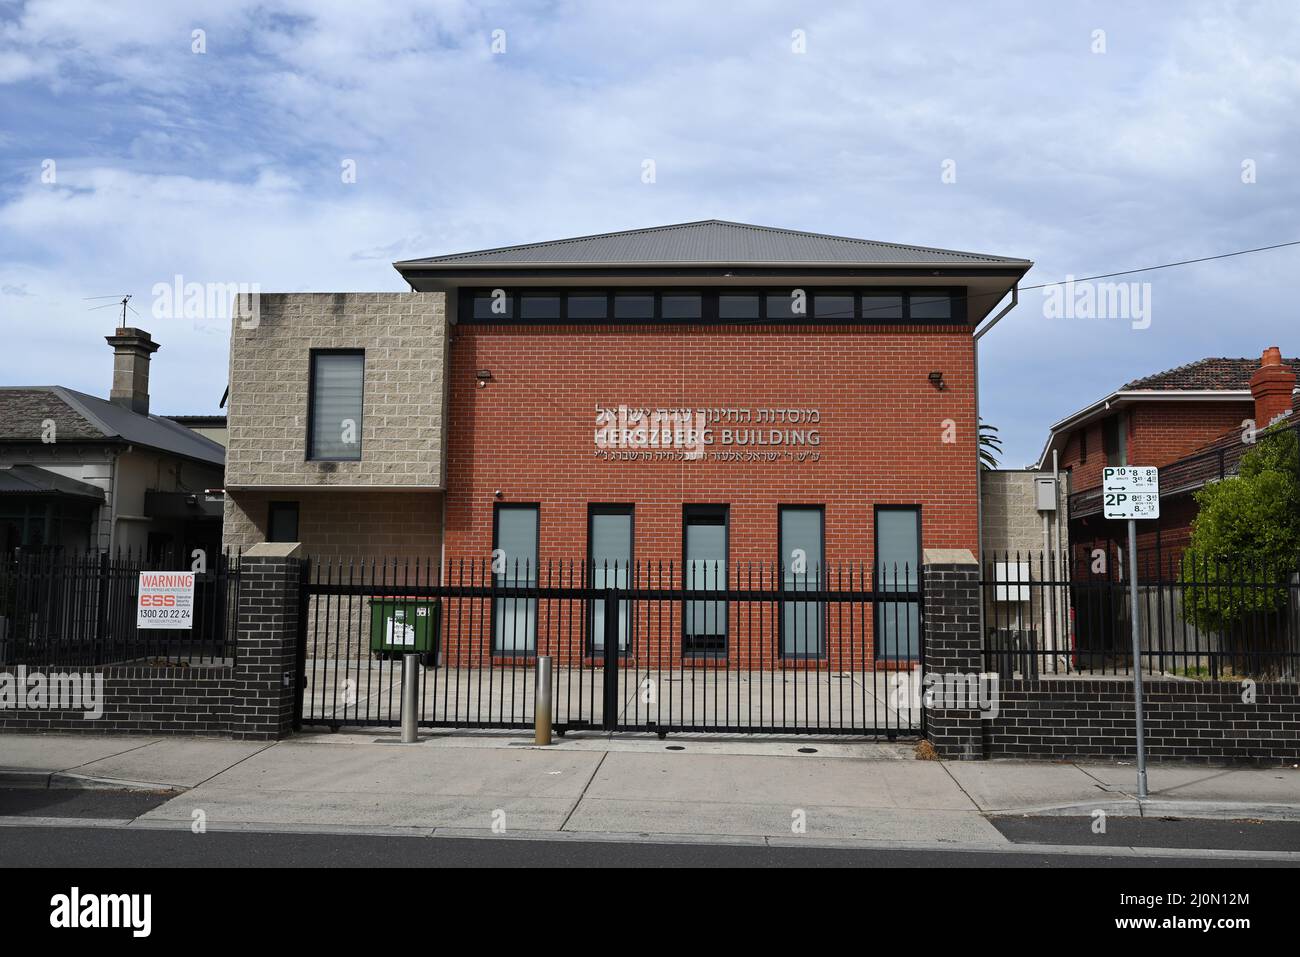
column 1137, row 657
column 1133, row 492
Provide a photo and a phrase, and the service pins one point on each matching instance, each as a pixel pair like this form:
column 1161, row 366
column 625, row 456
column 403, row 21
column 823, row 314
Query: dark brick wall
column 952, row 646
column 267, row 648
column 174, row 700
column 252, row 699
column 1204, row 722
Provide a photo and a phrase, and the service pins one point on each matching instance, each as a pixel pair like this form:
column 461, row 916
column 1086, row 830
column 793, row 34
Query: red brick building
column 714, row 403
column 1194, row 422
column 879, row 404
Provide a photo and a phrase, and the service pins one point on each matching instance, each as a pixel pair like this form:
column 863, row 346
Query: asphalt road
column 83, row 847
column 116, row 846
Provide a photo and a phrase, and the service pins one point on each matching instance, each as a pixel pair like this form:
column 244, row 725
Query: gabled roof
column 1217, row 374
column 714, row 242
column 78, row 416
column 33, row 480
column 1212, row 379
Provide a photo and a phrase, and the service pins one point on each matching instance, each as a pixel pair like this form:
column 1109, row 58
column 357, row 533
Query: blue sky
column 225, row 166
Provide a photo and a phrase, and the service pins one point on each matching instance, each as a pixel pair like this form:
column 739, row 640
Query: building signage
column 625, row 433
column 1130, row 491
column 166, row 600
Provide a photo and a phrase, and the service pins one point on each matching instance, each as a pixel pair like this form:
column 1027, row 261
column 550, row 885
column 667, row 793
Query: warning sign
column 166, row 600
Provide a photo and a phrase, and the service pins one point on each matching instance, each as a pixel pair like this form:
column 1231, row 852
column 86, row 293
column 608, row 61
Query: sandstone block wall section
column 404, row 336
column 340, row 524
column 1012, row 522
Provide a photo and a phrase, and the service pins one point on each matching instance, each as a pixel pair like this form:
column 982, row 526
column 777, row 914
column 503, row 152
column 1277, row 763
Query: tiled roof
column 24, row 409
column 714, row 241
column 1216, row 374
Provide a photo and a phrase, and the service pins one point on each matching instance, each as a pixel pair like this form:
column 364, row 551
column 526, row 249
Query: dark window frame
column 593, row 510
column 585, row 294
column 709, row 304
column 822, row 585
column 497, row 509
column 311, row 404
column 879, row 586
column 283, row 504
column 854, row 296
column 1114, row 439
column 688, row 511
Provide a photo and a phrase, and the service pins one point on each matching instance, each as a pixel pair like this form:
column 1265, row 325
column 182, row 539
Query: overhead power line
column 1181, row 262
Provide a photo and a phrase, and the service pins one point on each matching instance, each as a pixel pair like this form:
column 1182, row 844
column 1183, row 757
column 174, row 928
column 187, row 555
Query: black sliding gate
column 632, row 649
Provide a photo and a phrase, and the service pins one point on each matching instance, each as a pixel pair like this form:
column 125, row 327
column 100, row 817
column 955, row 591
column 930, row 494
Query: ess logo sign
column 73, row 910
column 166, row 600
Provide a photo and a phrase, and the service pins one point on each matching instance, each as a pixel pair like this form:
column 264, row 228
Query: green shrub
column 1248, row 529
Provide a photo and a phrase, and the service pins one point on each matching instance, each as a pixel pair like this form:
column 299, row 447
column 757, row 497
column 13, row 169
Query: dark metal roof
column 199, row 421
column 1213, row 374
column 713, row 242
column 32, row 480
column 87, row 417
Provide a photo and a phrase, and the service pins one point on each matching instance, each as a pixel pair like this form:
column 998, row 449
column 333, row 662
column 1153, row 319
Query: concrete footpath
column 634, row 787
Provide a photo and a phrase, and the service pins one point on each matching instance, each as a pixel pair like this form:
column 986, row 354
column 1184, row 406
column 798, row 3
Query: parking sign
column 1130, row 491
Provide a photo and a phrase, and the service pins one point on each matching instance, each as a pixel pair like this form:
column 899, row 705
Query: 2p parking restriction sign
column 1130, row 491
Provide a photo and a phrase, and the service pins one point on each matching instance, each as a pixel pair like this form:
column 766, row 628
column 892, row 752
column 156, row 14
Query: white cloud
column 226, row 166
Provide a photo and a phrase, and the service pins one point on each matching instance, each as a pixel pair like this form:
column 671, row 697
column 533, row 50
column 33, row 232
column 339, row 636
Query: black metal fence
column 1197, row 617
column 81, row 611
column 745, row 649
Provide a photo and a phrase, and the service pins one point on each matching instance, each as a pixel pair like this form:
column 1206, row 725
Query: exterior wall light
column 484, row 376
column 936, row 380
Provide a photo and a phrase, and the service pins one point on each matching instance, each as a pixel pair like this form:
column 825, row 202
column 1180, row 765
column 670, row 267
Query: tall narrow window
column 898, row 556
column 705, row 569
column 334, row 414
column 514, row 565
column 802, row 560
column 609, row 548
column 1112, row 440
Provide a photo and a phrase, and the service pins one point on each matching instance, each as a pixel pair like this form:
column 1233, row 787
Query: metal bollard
column 410, row 697
column 542, row 701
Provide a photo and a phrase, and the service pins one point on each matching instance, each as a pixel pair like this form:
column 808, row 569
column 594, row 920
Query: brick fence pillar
column 953, row 646
column 266, row 662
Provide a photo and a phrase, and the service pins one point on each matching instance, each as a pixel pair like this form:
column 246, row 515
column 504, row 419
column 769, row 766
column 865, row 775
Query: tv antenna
column 122, row 299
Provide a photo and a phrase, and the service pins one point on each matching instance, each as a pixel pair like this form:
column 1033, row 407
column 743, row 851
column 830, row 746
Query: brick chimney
column 1271, row 386
column 131, row 351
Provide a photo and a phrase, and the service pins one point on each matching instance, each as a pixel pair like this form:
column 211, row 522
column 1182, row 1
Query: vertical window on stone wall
column 282, row 522
column 334, row 412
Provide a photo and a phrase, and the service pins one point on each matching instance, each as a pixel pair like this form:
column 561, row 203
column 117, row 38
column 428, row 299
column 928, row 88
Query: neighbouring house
column 209, row 426
column 712, row 396
column 82, row 473
column 1194, row 422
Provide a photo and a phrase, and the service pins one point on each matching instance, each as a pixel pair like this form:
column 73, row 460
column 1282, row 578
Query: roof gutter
column 412, row 264
column 1015, row 300
column 979, row 473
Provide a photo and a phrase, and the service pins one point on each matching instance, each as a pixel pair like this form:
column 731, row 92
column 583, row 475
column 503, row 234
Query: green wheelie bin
column 400, row 626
